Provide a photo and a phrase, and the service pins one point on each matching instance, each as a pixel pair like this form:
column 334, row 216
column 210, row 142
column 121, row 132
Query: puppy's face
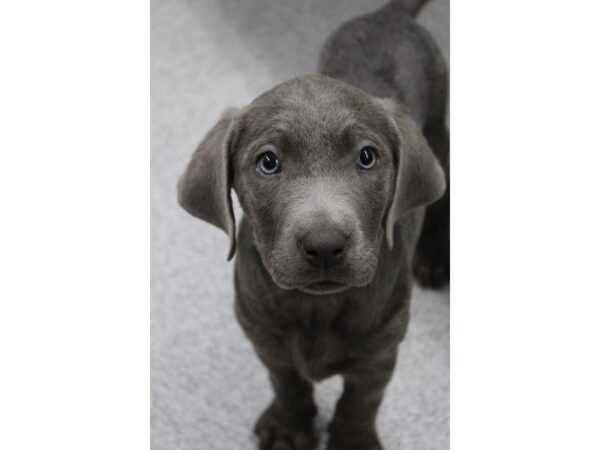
column 323, row 171
column 313, row 167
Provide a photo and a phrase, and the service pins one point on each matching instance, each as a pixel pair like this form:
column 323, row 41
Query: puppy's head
column 322, row 170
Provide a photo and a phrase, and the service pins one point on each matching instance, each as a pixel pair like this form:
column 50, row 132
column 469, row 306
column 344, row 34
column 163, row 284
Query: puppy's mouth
column 324, row 287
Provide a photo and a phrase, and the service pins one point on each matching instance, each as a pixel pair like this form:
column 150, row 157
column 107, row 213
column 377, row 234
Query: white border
column 525, row 365
column 74, row 239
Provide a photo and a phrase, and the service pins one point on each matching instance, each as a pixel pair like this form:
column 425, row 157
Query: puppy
column 333, row 173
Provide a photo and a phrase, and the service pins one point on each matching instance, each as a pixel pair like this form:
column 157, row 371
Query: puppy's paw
column 431, row 266
column 336, row 442
column 346, row 436
column 375, row 446
column 276, row 431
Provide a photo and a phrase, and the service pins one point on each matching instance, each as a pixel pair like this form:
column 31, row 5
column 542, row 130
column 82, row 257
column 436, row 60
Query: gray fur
column 204, row 188
column 305, row 322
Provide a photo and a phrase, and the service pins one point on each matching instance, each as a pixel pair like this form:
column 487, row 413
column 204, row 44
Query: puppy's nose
column 323, row 247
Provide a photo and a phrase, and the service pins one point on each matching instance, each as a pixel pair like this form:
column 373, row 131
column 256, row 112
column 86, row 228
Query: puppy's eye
column 367, row 158
column 268, row 163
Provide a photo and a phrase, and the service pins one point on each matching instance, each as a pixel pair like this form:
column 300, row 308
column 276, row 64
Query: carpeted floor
column 207, row 386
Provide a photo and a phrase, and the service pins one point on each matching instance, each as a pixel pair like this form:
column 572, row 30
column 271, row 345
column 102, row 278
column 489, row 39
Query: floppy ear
column 204, row 190
column 420, row 178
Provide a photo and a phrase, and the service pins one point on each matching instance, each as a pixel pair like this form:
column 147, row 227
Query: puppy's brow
column 354, row 130
column 348, row 126
column 279, row 128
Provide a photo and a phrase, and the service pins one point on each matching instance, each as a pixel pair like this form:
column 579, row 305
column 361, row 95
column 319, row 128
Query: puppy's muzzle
column 323, row 246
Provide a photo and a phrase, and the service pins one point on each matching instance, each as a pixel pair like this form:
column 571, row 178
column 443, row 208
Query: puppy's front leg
column 287, row 423
column 353, row 425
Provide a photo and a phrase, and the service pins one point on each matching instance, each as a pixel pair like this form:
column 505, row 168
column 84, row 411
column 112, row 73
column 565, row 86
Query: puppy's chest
column 317, row 355
column 322, row 343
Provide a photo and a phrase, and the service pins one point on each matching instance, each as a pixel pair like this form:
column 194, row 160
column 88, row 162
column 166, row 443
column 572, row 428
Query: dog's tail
column 410, row 7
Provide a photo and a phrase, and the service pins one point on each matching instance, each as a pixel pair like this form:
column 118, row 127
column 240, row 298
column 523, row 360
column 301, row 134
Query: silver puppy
column 333, row 172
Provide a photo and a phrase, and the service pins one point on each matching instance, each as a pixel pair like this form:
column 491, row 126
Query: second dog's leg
column 432, row 259
column 287, row 423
